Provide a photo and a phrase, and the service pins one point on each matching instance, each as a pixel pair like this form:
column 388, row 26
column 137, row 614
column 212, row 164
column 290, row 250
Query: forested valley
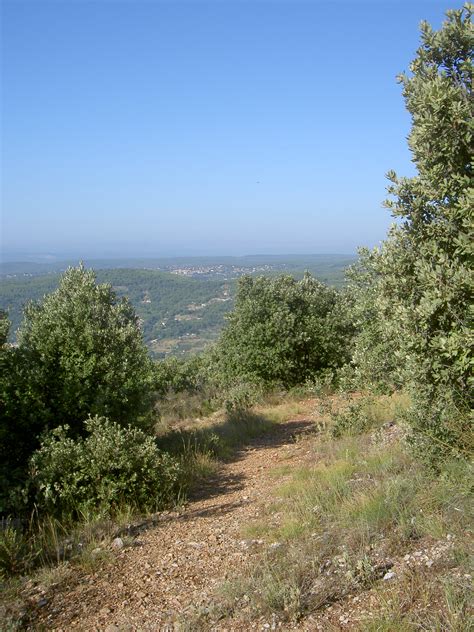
column 360, row 392
column 182, row 305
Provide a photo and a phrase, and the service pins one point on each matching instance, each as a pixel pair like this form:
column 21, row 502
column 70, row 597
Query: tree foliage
column 374, row 348
column 87, row 350
column 22, row 416
column 281, row 331
column 110, row 468
column 80, row 353
column 423, row 271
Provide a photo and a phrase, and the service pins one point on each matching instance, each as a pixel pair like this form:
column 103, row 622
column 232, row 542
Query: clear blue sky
column 171, row 128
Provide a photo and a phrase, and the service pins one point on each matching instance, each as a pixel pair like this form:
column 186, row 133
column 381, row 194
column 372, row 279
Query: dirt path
column 179, row 562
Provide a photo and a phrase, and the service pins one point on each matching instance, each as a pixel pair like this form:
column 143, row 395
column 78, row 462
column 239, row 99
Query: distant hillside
column 169, row 306
column 327, row 267
column 180, row 310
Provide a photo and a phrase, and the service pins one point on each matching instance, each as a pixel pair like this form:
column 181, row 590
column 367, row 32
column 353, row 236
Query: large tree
column 424, row 269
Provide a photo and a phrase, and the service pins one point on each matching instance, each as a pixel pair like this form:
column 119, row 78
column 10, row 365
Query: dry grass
column 338, row 522
column 345, row 518
column 48, row 547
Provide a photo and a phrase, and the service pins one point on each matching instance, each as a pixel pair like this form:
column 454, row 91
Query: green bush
column 21, row 422
column 111, row 468
column 179, row 375
column 369, row 412
column 354, row 420
column 86, row 354
column 282, row 332
column 240, row 398
column 80, row 353
column 374, row 362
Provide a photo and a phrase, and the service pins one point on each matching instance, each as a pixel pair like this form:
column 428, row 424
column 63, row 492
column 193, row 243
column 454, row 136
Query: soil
column 172, row 566
column 175, row 565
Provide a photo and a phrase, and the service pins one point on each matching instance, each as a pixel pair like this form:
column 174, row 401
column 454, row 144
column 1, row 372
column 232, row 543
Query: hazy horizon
column 65, row 256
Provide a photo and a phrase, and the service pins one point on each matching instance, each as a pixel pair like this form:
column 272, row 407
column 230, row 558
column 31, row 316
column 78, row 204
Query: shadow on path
column 227, row 482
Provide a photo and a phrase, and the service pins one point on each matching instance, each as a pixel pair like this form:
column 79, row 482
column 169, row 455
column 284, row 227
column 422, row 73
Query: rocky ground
column 174, row 565
column 166, row 571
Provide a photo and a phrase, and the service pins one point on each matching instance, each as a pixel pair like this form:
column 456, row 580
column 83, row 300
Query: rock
column 388, row 576
column 42, row 602
column 117, row 543
column 275, row 545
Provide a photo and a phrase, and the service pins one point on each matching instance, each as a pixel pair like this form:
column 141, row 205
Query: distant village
column 222, row 270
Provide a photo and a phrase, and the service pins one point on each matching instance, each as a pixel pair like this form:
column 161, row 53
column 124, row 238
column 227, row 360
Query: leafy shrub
column 282, row 331
column 374, row 362
column 86, row 354
column 111, row 468
column 184, row 389
column 179, row 375
column 439, row 427
column 21, row 423
column 368, row 412
column 240, row 398
column 352, row 421
column 323, row 384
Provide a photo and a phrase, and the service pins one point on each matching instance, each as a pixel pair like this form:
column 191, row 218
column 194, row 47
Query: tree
column 21, row 417
column 373, row 346
column 86, row 353
column 281, row 331
column 4, row 327
column 424, row 268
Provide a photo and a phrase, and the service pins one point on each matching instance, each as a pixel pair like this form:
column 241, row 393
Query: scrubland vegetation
column 360, row 509
column 93, row 430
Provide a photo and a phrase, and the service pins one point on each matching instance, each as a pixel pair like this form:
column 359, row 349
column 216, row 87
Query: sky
column 150, row 128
